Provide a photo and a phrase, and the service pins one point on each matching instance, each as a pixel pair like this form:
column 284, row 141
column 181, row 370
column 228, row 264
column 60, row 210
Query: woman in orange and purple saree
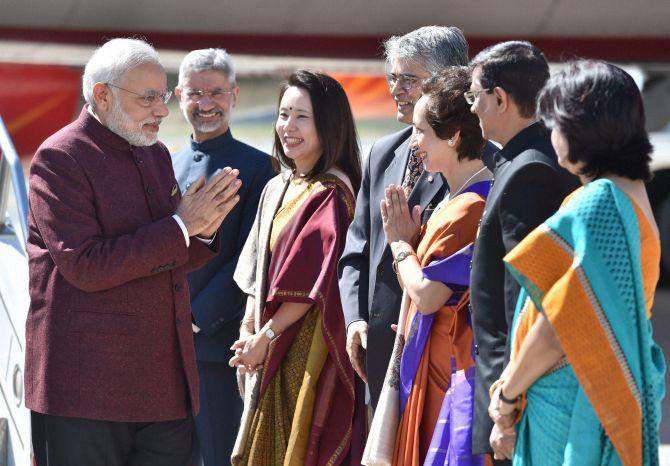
column 582, row 347
column 425, row 412
column 303, row 404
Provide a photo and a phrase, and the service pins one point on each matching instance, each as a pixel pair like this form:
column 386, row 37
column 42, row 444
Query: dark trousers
column 218, row 421
column 65, row 441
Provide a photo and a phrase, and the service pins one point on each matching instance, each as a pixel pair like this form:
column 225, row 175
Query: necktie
column 413, row 172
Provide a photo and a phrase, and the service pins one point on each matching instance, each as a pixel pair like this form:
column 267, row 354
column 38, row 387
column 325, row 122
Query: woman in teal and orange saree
column 303, row 404
column 586, row 379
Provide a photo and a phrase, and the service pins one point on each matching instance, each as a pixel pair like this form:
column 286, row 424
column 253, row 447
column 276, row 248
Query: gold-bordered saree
column 303, row 408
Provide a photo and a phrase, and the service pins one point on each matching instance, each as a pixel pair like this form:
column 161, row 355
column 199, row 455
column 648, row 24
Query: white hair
column 112, row 60
column 207, row 60
column 436, row 48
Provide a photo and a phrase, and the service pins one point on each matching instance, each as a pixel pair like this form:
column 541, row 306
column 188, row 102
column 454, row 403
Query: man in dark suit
column 368, row 286
column 528, row 187
column 110, row 364
column 207, row 94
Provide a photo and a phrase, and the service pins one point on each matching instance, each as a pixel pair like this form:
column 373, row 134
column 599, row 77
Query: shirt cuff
column 357, row 320
column 207, row 241
column 183, row 229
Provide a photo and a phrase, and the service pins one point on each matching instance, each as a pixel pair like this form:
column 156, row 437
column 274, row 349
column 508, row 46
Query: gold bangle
column 495, row 386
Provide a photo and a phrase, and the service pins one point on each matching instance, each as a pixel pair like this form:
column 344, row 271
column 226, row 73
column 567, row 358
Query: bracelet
column 506, row 400
column 494, row 387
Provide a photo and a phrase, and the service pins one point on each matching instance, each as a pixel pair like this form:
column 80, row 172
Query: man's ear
column 502, row 99
column 177, row 93
column 236, row 91
column 102, row 96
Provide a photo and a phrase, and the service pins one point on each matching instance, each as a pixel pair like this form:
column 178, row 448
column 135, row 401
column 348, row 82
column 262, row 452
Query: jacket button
column 477, row 350
column 149, row 190
column 177, row 287
column 177, row 320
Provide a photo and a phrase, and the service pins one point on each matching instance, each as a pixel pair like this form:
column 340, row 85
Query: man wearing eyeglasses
column 110, row 366
column 207, row 94
column 368, row 286
column 528, row 187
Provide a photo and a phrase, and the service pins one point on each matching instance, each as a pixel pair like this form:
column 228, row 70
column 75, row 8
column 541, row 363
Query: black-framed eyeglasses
column 404, row 80
column 197, row 95
column 472, row 96
column 149, row 99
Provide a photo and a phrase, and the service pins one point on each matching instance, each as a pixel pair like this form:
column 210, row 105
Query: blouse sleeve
column 453, row 271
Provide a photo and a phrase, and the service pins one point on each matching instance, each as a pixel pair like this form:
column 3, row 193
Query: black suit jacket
column 528, row 187
column 216, row 301
column 368, row 286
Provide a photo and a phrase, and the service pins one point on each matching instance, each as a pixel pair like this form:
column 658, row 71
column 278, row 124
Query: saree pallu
column 304, row 407
column 591, row 269
column 424, row 416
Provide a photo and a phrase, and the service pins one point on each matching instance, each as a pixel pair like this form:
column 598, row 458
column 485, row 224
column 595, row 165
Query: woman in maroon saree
column 302, row 404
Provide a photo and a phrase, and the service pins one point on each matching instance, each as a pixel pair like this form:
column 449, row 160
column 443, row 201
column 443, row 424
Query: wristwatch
column 402, row 255
column 270, row 333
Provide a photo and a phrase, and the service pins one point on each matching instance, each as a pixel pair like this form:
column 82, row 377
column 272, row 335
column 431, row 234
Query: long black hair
column 334, row 126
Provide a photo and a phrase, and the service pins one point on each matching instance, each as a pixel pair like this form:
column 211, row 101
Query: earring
column 450, row 142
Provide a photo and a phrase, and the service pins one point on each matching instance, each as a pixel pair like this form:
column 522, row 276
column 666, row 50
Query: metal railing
column 11, row 174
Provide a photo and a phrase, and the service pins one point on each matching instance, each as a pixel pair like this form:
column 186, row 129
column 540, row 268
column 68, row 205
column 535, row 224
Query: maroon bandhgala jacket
column 108, row 333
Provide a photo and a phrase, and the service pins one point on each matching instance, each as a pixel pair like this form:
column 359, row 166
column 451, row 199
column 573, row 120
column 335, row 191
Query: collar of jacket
column 523, row 139
column 213, row 144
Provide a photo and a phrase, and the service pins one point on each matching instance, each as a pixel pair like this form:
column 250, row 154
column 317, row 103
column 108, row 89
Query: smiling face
column 296, row 129
column 124, row 112
column 436, row 154
column 406, row 96
column 206, row 99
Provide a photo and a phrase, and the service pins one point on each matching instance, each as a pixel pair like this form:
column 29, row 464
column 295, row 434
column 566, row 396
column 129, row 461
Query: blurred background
column 44, row 45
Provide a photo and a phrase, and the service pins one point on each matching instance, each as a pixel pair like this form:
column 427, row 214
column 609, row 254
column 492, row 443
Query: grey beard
column 207, row 127
column 120, row 123
column 203, row 127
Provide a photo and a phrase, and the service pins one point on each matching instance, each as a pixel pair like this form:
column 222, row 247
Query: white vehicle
column 15, row 445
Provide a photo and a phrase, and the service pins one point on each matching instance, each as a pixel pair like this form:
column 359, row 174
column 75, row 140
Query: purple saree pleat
column 451, row 443
column 411, row 356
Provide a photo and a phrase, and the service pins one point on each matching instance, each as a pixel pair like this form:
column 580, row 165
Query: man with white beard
column 111, row 376
column 207, row 94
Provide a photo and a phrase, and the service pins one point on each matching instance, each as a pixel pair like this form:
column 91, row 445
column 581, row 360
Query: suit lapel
column 395, row 172
column 426, row 188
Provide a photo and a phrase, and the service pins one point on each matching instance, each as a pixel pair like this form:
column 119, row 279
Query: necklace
column 297, row 179
column 450, row 196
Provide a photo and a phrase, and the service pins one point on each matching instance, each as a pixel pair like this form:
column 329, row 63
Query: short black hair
column 598, row 109
column 334, row 126
column 518, row 67
column 448, row 112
